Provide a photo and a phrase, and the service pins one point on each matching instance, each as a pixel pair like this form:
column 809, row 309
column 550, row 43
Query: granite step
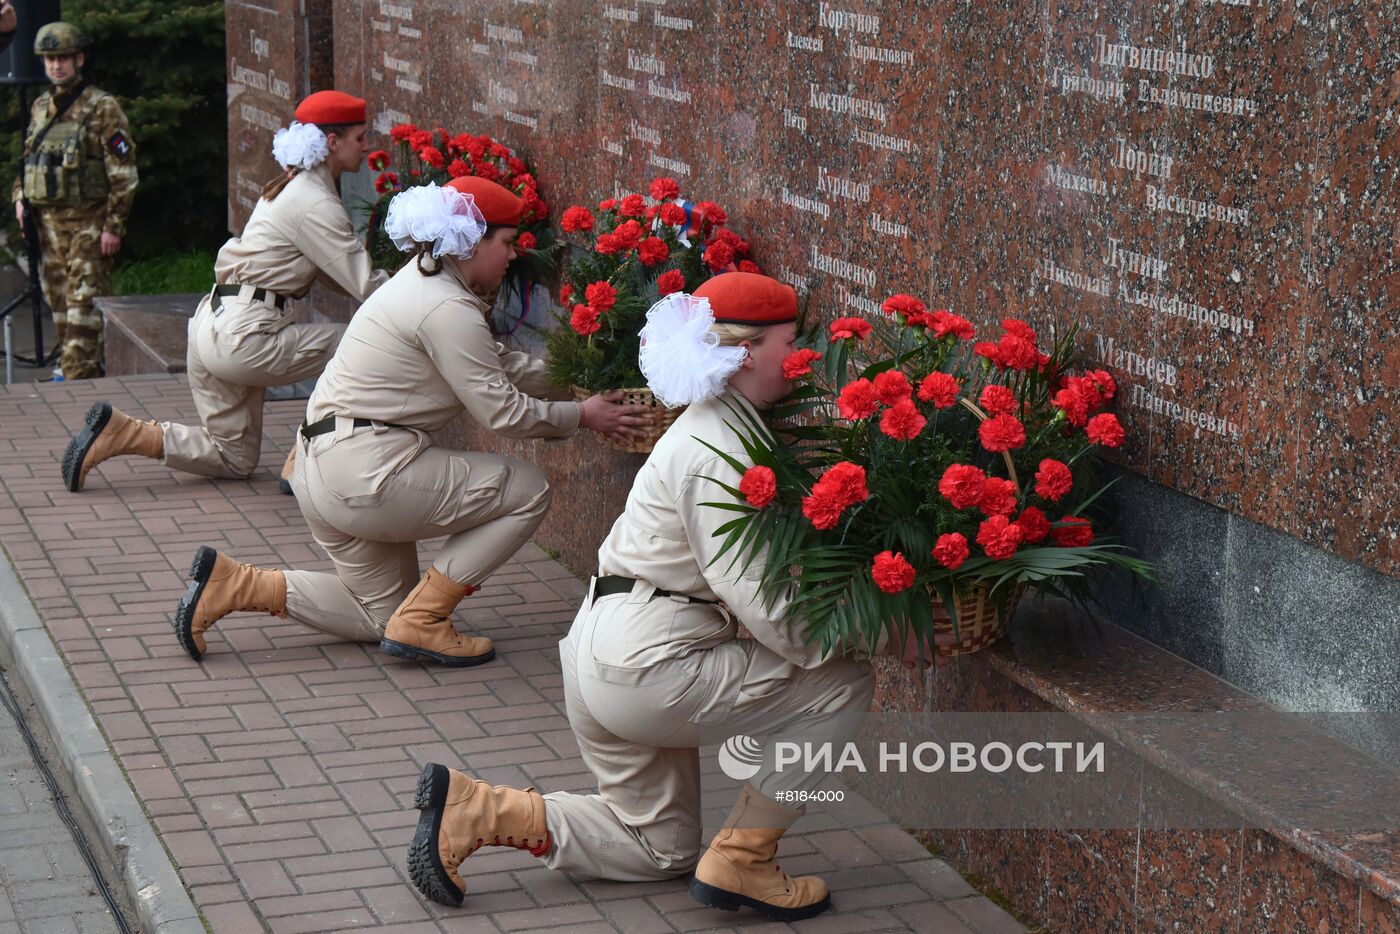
column 146, row 333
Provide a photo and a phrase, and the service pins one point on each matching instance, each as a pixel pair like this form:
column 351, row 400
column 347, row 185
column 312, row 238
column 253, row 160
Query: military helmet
column 59, row 39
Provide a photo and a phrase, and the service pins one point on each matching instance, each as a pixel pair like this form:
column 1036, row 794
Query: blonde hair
column 731, row 335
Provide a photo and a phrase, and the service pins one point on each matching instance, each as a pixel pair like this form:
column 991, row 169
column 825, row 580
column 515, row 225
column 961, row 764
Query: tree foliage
column 164, row 60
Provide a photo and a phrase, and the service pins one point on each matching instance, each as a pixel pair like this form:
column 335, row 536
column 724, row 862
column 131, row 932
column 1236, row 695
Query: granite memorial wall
column 1208, row 187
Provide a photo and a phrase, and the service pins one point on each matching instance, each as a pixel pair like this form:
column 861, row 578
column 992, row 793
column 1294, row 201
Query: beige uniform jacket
column 665, row 538
column 289, row 243
column 420, row 352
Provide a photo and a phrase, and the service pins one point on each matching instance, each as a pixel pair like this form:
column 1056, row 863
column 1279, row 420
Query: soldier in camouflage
column 78, row 180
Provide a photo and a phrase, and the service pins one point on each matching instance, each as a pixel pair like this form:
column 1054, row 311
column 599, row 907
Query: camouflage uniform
column 94, row 196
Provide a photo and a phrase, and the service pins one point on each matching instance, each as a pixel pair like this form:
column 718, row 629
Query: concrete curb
column 125, row 832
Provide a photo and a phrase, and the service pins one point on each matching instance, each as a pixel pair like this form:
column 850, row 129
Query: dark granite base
column 146, row 333
column 1234, row 878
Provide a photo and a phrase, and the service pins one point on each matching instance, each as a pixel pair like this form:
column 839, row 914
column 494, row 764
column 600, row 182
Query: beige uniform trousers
column 370, row 494
column 230, row 361
column 639, row 728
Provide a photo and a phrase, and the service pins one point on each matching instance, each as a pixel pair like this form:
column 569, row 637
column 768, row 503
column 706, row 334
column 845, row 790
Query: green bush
column 164, row 59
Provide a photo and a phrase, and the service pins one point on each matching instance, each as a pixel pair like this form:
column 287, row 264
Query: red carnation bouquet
column 628, row 253
column 920, row 480
column 437, row 156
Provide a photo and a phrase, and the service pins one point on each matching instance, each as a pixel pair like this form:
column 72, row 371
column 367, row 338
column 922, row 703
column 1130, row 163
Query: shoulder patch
column 119, row 144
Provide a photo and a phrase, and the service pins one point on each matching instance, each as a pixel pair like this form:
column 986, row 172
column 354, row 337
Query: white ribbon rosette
column 680, row 356
column 444, row 217
column 300, row 146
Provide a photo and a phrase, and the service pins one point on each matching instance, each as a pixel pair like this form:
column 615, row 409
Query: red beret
column 497, row 204
column 749, row 298
column 331, row 107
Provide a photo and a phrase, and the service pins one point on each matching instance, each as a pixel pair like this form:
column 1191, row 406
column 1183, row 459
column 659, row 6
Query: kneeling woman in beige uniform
column 242, row 338
column 369, row 480
column 652, row 656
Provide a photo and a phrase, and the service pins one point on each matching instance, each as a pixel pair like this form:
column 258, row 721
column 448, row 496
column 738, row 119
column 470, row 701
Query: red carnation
column 566, row 292
column 633, row 206
column 891, row 572
column 576, row 218
column 608, row 244
column 844, row 483
column 1072, row 401
column 939, row 388
column 858, row 400
column 892, row 386
column 799, row 363
column 713, row 213
column 904, row 306
column 748, row 265
column 998, row 497
column 525, row 241
column 607, row 204
column 962, row 485
column 418, row 139
column 1052, row 480
column 1103, row 381
column 989, row 350
column 822, row 511
column 653, row 251
column 951, row 550
column 401, row 132
column 386, row 182
column 1017, row 353
column 945, row 323
column 669, row 281
column 1073, row 532
column 1002, row 433
column 997, row 399
column 672, row 214
column 718, row 255
column 999, row 537
column 1104, row 429
column 759, row 485
column 457, row 168
column 902, row 421
column 628, row 234
column 378, row 160
column 433, row 156
column 844, row 328
column 1034, row 524
column 664, row 189
column 1018, row 328
column 584, row 320
column 601, row 296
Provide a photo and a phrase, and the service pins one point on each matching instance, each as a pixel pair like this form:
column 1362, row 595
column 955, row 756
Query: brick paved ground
column 280, row 774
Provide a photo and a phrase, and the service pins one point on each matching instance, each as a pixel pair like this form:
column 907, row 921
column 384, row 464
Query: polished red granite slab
column 1209, row 188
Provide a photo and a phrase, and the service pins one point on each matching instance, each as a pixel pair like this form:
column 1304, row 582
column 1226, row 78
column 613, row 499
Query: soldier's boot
column 739, row 868
column 108, row 432
column 285, row 484
column 421, row 628
column 220, row 586
column 460, row 816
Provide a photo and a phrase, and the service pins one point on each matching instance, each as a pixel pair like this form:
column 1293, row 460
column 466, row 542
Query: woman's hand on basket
column 604, row 414
column 915, row 655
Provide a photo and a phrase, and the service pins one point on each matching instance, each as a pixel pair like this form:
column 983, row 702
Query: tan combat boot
column 108, row 432
column 288, row 468
column 220, row 586
column 738, row 868
column 422, row 626
column 461, row 815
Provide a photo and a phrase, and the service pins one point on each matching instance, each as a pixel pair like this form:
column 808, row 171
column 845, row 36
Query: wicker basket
column 979, row 622
column 662, row 418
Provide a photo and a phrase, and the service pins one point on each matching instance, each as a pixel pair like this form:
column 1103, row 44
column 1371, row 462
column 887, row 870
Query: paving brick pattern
column 280, row 772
